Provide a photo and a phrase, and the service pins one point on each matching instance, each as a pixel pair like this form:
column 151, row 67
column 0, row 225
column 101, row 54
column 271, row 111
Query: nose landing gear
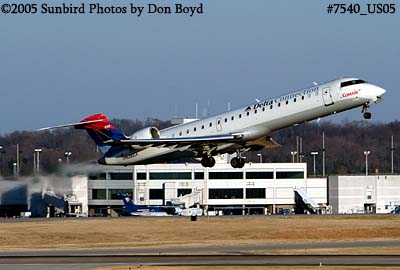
column 366, row 113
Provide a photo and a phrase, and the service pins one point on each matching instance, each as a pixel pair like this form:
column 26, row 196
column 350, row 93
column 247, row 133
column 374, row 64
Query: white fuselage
column 259, row 119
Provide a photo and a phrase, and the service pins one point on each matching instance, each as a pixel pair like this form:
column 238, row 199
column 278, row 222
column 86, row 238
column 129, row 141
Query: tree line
column 345, row 144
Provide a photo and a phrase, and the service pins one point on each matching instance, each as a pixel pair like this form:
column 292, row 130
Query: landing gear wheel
column 367, row 115
column 237, row 162
column 208, row 161
column 234, row 162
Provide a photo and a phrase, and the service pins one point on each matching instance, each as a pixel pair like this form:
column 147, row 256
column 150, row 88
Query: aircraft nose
column 380, row 91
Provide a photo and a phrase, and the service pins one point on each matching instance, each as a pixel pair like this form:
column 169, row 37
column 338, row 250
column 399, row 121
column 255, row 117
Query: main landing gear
column 238, row 162
column 366, row 113
column 207, row 161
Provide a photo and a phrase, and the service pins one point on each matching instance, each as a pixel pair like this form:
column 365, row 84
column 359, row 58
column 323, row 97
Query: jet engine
column 146, row 133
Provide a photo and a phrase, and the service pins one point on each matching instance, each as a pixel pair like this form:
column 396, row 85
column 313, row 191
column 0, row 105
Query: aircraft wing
column 177, row 142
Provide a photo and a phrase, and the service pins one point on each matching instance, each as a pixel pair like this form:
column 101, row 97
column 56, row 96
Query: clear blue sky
column 57, row 69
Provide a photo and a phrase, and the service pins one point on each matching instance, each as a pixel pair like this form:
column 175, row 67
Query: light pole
column 366, row 153
column 36, row 160
column 260, row 156
column 314, row 154
column 15, row 169
column 67, row 155
column 1, row 150
column 392, row 152
column 293, row 153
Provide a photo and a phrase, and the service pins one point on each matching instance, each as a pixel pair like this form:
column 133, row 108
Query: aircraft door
column 219, row 124
column 327, row 96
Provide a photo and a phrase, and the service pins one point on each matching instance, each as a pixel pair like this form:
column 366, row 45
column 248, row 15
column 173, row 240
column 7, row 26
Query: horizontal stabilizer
column 75, row 125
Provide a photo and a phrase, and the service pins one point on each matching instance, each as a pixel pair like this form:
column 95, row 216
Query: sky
column 57, row 69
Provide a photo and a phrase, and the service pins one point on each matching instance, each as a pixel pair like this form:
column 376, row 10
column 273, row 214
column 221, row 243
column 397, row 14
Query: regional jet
column 246, row 129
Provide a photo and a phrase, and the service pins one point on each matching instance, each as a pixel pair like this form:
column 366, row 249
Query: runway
column 89, row 262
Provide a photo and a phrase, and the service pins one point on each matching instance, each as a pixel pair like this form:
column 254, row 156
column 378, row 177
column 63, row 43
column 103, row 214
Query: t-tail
column 99, row 129
column 130, row 207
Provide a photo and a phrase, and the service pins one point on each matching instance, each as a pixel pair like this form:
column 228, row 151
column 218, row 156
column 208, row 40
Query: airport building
column 364, row 194
column 258, row 188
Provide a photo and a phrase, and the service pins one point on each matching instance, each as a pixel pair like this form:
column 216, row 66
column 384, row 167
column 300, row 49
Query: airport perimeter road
column 90, row 262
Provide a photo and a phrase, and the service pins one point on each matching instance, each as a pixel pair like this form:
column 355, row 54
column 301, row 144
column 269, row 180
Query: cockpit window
column 353, row 82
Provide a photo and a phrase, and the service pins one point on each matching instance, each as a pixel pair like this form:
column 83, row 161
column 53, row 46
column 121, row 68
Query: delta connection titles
column 130, row 8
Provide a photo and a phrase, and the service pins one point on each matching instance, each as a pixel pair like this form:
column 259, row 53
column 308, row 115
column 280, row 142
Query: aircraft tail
column 128, row 203
column 99, row 129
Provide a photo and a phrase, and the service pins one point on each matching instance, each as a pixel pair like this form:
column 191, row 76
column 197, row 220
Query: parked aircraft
column 131, row 209
column 245, row 129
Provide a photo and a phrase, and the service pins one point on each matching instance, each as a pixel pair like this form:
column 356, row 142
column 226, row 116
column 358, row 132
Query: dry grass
column 145, row 232
column 292, row 267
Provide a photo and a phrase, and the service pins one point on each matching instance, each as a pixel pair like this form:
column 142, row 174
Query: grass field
column 180, row 231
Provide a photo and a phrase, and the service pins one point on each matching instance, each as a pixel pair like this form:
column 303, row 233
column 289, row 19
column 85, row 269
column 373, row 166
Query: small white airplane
column 236, row 131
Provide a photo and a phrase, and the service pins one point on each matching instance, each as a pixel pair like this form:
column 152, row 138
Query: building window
column 121, row 176
column 255, row 193
column 156, row 194
column 183, row 191
column 113, row 194
column 225, row 175
column 198, row 175
column 97, row 176
column 99, row 194
column 225, row 193
column 141, row 176
column 289, row 175
column 259, row 175
column 170, row 175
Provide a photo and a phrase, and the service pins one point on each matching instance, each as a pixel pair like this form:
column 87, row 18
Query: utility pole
column 366, row 153
column 17, row 163
column 323, row 153
column 297, row 148
column 392, row 152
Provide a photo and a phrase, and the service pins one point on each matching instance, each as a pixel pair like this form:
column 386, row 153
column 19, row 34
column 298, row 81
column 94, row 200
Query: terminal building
column 258, row 188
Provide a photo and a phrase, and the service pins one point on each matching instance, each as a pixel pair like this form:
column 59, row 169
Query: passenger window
column 271, row 107
column 219, row 122
column 202, row 127
column 194, row 129
column 255, row 111
column 180, row 133
column 248, row 113
column 232, row 118
column 240, row 115
column 279, row 104
column 210, row 124
column 287, row 102
column 294, row 100
column 302, row 98
column 187, row 131
column 226, row 120
column 263, row 109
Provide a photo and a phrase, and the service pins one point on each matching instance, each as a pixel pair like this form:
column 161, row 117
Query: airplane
column 245, row 129
column 131, row 209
